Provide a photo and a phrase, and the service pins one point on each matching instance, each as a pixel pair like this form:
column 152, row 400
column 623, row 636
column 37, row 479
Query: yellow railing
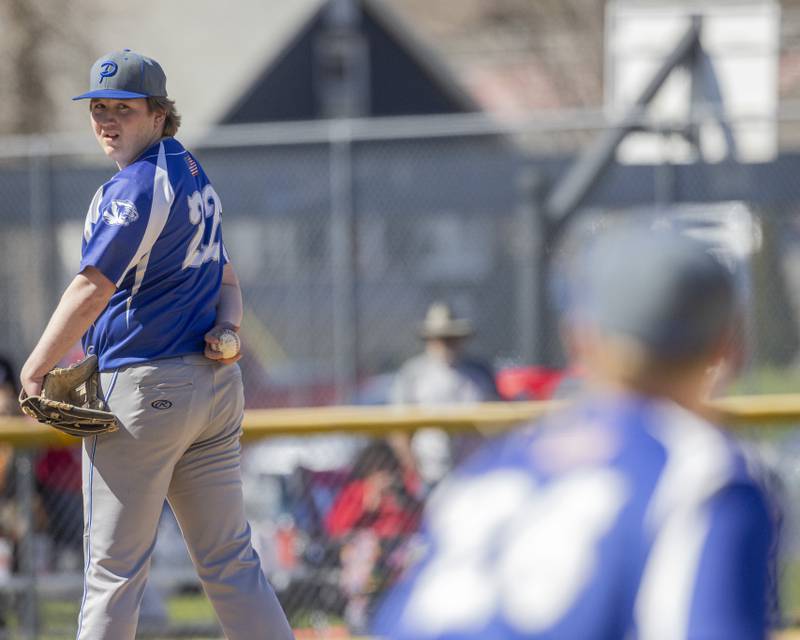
column 738, row 411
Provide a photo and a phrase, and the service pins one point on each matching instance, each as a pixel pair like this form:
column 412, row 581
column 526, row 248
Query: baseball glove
column 70, row 402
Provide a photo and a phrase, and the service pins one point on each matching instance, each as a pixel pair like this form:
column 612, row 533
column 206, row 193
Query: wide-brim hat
column 440, row 323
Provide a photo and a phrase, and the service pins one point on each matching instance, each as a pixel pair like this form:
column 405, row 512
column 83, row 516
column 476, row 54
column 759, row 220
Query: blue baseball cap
column 123, row 75
column 663, row 289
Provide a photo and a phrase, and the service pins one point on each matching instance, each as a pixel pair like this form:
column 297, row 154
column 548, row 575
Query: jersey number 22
column 203, row 247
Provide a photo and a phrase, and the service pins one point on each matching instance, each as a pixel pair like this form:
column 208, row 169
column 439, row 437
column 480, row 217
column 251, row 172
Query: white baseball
column 229, row 343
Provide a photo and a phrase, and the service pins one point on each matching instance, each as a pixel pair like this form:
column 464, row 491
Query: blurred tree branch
column 28, row 68
column 40, row 41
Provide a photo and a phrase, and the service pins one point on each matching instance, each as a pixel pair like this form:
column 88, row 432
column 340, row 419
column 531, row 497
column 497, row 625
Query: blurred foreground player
column 627, row 515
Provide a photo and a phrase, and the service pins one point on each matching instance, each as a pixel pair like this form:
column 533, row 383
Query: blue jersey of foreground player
column 625, row 518
column 166, row 298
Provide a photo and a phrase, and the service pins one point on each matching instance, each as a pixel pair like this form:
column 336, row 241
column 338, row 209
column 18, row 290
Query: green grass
column 790, row 590
column 190, row 609
column 767, row 379
column 194, row 610
column 186, row 611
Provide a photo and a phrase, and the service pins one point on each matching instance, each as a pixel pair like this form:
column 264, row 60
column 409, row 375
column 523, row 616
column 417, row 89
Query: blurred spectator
column 57, row 471
column 14, row 527
column 628, row 514
column 10, row 527
column 9, row 402
column 58, row 484
column 441, row 374
column 374, row 517
column 378, row 497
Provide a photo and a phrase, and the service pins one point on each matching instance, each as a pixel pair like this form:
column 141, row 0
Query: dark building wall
column 284, row 90
column 398, row 84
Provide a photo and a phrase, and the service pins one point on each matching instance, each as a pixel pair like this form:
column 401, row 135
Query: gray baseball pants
column 179, row 440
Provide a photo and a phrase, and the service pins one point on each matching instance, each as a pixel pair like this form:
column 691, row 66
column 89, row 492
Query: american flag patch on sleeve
column 192, row 165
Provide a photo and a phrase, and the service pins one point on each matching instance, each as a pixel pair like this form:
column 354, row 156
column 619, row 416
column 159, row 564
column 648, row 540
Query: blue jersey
column 621, row 518
column 154, row 230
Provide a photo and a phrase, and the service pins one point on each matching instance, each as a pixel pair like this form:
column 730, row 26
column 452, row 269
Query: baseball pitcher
column 155, row 301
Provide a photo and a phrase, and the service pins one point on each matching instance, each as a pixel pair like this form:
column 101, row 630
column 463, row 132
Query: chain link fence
column 342, row 234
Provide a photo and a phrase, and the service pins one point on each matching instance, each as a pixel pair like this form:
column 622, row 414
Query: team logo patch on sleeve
column 120, row 212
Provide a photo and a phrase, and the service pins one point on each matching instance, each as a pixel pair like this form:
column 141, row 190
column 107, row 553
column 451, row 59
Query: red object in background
column 75, row 354
column 286, row 543
column 60, row 469
column 529, row 383
column 390, row 520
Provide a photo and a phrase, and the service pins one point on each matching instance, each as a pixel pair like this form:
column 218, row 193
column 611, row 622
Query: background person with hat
column 154, row 291
column 628, row 513
column 441, row 374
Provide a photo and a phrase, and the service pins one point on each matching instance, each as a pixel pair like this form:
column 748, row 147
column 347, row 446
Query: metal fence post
column 41, row 218
column 530, row 246
column 28, row 605
column 665, row 180
column 343, row 260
